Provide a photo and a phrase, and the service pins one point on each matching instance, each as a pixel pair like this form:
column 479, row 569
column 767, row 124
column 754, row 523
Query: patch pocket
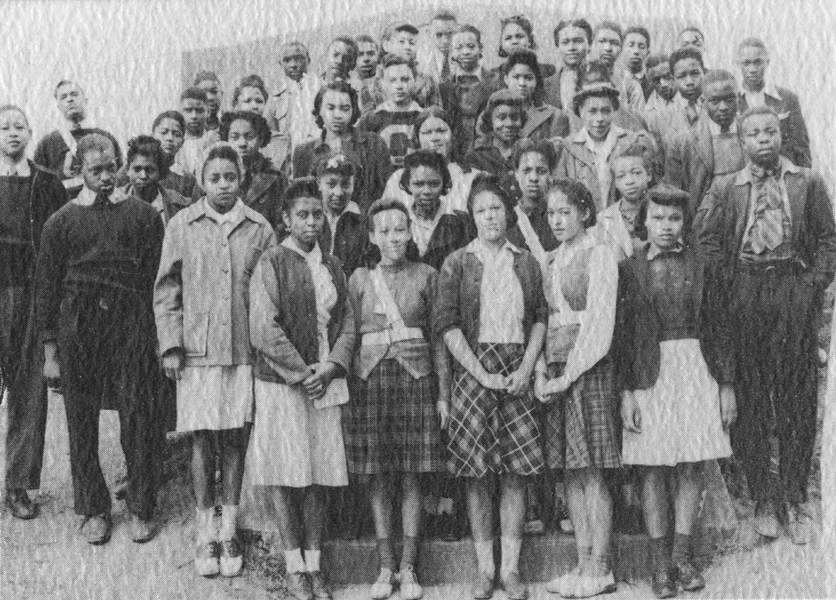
column 195, row 333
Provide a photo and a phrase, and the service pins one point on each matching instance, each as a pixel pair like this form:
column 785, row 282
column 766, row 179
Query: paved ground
column 45, row 558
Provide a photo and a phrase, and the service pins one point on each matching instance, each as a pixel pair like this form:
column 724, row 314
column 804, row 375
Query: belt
column 387, row 337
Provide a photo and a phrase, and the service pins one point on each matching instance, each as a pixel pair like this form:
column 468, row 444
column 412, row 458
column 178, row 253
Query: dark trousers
column 774, row 320
column 21, row 362
column 107, row 355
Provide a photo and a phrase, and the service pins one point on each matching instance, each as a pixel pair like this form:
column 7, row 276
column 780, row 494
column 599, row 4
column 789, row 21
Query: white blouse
column 501, row 303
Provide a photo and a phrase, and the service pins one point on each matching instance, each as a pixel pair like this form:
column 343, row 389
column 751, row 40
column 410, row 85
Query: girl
column 584, row 155
column 491, row 314
column 250, row 95
column 434, row 131
column 336, row 112
column 516, row 33
column 502, row 120
column 261, row 185
column 400, row 389
column 576, row 378
column 533, row 166
column 147, row 166
column 677, row 384
column 200, row 304
column 302, row 329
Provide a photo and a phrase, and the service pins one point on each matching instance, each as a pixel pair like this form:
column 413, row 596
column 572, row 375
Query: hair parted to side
column 665, row 194
column 94, row 142
column 382, row 205
column 302, row 187
column 15, row 108
column 638, row 29
column 431, row 160
column 643, row 147
column 151, row 148
column 503, row 97
column 528, row 146
column 252, row 81
column 194, row 93
column 340, row 87
column 487, row 183
column 683, row 54
column 582, row 24
column 609, row 26
column 172, row 115
column 223, row 151
column 577, row 195
column 258, row 123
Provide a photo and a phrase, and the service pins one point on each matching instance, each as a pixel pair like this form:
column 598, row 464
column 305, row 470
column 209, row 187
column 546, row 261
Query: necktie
column 692, row 113
column 445, row 68
column 768, row 229
column 102, row 200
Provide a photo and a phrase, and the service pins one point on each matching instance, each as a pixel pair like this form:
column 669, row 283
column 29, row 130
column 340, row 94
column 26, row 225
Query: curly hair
column 343, row 88
column 151, row 148
column 252, row 81
column 578, row 195
column 259, row 125
column 431, row 160
column 523, row 24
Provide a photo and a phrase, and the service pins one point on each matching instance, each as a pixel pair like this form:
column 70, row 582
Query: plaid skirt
column 391, row 425
column 490, row 431
column 581, row 425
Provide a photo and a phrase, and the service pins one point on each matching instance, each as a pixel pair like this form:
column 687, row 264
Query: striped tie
column 768, row 230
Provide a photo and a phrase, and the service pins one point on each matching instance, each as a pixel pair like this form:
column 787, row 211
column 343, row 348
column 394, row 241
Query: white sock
column 229, row 522
column 445, row 506
column 510, row 556
column 484, row 557
column 293, row 560
column 312, row 560
column 206, row 525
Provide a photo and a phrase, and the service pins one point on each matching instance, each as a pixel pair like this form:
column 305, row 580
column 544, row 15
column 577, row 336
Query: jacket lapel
column 701, row 134
column 536, row 117
column 260, row 184
column 796, row 193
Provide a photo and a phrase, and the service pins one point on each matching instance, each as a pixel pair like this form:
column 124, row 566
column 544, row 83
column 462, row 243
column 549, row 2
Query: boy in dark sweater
column 93, row 302
column 29, row 195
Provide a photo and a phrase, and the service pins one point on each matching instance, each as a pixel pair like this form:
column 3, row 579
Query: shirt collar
column 86, row 197
column 457, row 71
column 683, row 102
column 314, row 256
column 744, row 176
column 768, row 89
column 228, row 217
column 21, row 169
column 715, row 128
column 653, row 251
column 583, row 137
column 477, row 247
column 351, row 207
column 389, row 106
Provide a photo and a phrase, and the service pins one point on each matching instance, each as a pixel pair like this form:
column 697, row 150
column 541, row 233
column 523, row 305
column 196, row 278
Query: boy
column 769, row 230
column 572, row 39
column 691, row 37
column 436, row 62
column 193, row 106
column 753, row 59
column 607, row 42
column 712, row 148
column 400, row 39
column 211, row 85
column 26, row 190
column 394, row 119
column 93, row 300
column 288, row 111
column 57, row 151
column 659, row 74
column 340, row 61
column 636, row 49
column 368, row 57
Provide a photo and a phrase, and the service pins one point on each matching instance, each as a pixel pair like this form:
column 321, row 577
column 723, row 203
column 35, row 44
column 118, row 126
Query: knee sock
column 600, row 563
column 584, row 557
column 312, row 560
column 409, row 558
column 229, row 521
column 386, row 553
column 293, row 561
column 681, row 548
column 510, row 556
column 660, row 556
column 484, row 557
column 206, row 525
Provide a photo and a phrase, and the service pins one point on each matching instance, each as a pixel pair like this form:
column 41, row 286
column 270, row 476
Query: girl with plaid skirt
column 576, row 379
column 492, row 315
column 400, row 388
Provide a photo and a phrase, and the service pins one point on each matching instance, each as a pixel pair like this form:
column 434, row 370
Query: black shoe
column 20, row 505
column 447, row 528
column 662, row 585
column 689, row 577
column 629, row 520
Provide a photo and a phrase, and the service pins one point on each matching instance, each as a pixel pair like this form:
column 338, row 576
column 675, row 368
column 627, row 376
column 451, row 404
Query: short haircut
column 654, row 60
column 426, row 114
column 431, row 160
column 295, row 45
column 169, row 114
column 365, row 38
column 222, row 151
column 444, row 15
column 470, row 29
column 642, row 31
column 303, row 187
column 151, row 148
column 353, row 48
column 717, row 75
column 205, row 76
column 340, row 87
column 394, row 60
column 523, row 56
column 752, row 42
column 692, row 28
column 253, row 81
column 64, row 82
column 684, row 54
column 382, row 205
column 665, row 194
column 487, row 182
column 499, row 98
column 193, row 93
column 643, row 148
column 596, row 84
column 579, row 23
column 336, row 163
column 393, row 28
column 258, row 123
column 756, row 110
column 94, row 142
column 609, row 26
column 524, row 24
column 14, row 108
column 527, row 146
column 578, row 195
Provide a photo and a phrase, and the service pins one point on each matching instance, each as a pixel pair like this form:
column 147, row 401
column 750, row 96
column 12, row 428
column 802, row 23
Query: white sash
column 564, row 315
column 530, row 236
column 386, row 305
column 68, row 138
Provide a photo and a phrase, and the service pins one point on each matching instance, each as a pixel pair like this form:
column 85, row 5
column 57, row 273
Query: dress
column 680, row 414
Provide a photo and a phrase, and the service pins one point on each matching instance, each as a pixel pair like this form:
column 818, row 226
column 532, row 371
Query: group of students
column 386, row 274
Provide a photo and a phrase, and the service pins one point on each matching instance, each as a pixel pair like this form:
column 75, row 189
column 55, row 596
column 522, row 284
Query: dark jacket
column 350, row 244
column 262, row 191
column 459, row 298
column 795, row 141
column 287, row 344
column 464, row 103
column 46, row 196
column 639, row 327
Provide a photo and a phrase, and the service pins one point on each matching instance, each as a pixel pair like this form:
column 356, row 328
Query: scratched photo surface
column 417, row 300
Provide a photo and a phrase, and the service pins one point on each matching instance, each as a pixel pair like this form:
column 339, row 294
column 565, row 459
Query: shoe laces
column 385, row 576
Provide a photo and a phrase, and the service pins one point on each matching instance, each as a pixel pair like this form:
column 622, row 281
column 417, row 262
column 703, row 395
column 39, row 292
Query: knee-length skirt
column 391, row 424
column 490, row 431
column 294, row 444
column 214, row 398
column 582, row 428
column 680, row 414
